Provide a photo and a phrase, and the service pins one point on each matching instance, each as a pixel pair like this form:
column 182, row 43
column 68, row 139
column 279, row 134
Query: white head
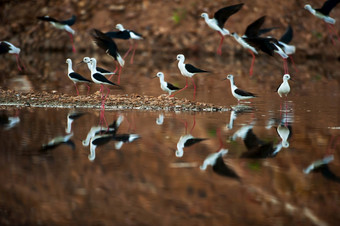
column 286, row 77
column 230, row 77
column 179, row 153
column 308, row 7
column 86, row 60
column 160, row 75
column 205, row 15
column 180, row 57
column 285, row 144
column 120, row 27
column 69, row 61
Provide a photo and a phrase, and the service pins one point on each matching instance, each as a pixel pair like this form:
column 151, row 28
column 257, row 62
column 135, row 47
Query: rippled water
column 264, row 178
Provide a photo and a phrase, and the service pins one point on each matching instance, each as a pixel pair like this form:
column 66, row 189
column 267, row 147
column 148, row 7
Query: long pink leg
column 219, row 49
column 295, row 68
column 114, row 72
column 331, row 32
column 88, row 89
column 252, row 63
column 127, row 52
column 334, row 31
column 193, row 82
column 193, row 124
column 71, row 38
column 76, row 89
column 133, row 53
column 186, row 86
column 18, row 62
column 120, row 70
column 285, row 66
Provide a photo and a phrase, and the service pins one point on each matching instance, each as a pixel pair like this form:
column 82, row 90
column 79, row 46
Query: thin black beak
column 154, row 76
column 224, row 78
column 80, row 62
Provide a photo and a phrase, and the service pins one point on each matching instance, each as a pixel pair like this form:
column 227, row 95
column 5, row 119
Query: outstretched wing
column 223, row 14
column 253, row 28
column 327, row 7
column 70, row 21
column 118, row 34
column 48, row 19
column 105, row 42
column 287, row 36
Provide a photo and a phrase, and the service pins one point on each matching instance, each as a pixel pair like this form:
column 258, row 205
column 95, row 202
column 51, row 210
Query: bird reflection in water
column 71, row 116
column 160, row 119
column 235, row 111
column 8, row 122
column 322, row 167
column 215, row 160
column 57, row 141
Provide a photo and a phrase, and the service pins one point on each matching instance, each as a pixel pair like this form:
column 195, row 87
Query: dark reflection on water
column 252, row 164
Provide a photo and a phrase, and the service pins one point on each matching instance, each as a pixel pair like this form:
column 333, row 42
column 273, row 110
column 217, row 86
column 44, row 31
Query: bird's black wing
column 287, row 36
column 75, row 115
column 222, row 169
column 172, row 87
column 103, row 79
column 48, row 19
column 193, row 141
column 102, row 70
column 70, row 21
column 193, row 69
column 264, row 44
column 253, row 28
column 105, row 42
column 223, row 14
column 244, row 93
column 327, row 173
column 4, row 48
column 251, row 141
column 78, row 77
column 118, row 34
column 327, row 7
column 105, row 138
column 266, row 30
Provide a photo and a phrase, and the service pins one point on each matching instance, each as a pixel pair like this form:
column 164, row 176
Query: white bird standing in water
column 238, row 93
column 284, row 88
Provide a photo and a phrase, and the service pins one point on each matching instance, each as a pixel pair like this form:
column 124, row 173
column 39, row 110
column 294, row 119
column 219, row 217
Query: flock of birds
column 252, row 40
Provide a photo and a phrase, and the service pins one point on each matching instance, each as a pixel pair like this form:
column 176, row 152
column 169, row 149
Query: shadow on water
column 262, row 157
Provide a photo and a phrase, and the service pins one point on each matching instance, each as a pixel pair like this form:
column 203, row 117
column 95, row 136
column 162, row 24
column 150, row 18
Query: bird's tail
column 120, row 60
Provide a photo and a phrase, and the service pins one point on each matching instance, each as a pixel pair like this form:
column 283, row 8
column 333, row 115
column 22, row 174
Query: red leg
column 76, row 89
column 133, row 53
column 219, row 49
column 193, row 82
column 186, row 86
column 18, row 64
column 285, row 66
column 120, row 70
column 71, row 38
column 334, row 31
column 295, row 68
column 127, row 52
column 114, row 72
column 218, row 133
column 88, row 89
column 193, row 124
column 252, row 63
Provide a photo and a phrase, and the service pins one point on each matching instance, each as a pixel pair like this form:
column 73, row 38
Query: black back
column 105, row 138
column 48, row 19
column 76, row 115
column 327, row 173
column 256, row 148
column 78, row 77
column 172, row 87
column 223, row 14
column 193, row 141
column 193, row 69
column 243, row 93
column 4, row 48
column 102, row 70
column 103, row 79
column 253, row 28
column 105, row 42
column 327, row 7
column 119, row 34
column 222, row 169
column 287, row 36
column 264, row 44
column 70, row 21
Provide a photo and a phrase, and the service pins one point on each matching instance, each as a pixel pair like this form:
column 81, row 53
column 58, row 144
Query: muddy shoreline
column 113, row 102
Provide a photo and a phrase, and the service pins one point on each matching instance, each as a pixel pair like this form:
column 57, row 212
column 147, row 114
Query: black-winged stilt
column 215, row 160
column 188, row 71
column 55, row 142
column 284, row 130
column 284, row 88
column 7, row 47
column 62, row 25
column 323, row 13
column 166, row 86
column 238, row 93
column 98, row 140
column 110, row 47
column 75, row 77
column 99, row 69
column 8, row 122
column 124, row 138
column 322, row 167
column 70, row 118
column 219, row 19
column 126, row 34
column 186, row 141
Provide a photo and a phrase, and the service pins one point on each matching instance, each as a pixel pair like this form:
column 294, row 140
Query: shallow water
column 143, row 182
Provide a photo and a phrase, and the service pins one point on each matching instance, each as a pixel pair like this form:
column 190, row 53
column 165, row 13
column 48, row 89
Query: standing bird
column 62, row 25
column 165, row 86
column 284, row 88
column 75, row 77
column 98, row 78
column 110, row 47
column 188, row 71
column 219, row 19
column 126, row 34
column 7, row 47
column 186, row 141
column 238, row 93
column 218, row 165
column 323, row 13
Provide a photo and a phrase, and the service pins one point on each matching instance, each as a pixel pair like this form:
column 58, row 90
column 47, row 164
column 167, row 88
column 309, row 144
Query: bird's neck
column 70, row 70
